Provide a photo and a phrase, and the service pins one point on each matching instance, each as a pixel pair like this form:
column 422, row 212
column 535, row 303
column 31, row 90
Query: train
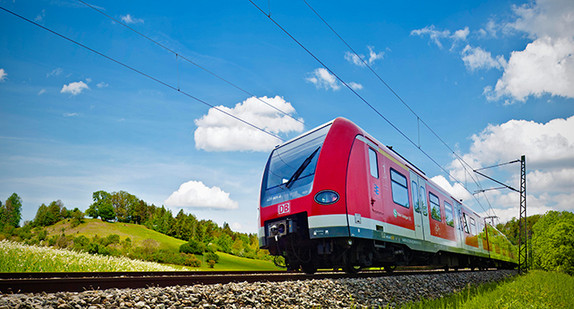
column 337, row 198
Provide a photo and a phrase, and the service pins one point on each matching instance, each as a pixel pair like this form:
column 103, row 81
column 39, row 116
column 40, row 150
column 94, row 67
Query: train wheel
column 390, row 269
column 309, row 268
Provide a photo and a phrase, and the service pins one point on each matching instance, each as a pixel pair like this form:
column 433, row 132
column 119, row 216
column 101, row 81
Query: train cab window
column 435, row 207
column 448, row 214
column 416, row 202
column 472, row 226
column 399, row 188
column 373, row 164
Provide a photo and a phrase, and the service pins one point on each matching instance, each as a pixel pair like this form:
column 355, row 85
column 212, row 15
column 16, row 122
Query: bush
column 210, row 256
column 192, row 247
column 192, row 261
column 211, row 263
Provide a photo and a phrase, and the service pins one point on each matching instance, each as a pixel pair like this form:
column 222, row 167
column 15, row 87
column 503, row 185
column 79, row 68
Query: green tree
column 11, row 211
column 102, row 206
column 553, row 242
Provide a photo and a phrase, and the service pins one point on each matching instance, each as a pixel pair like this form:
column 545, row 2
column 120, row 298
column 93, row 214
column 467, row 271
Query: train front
column 302, row 209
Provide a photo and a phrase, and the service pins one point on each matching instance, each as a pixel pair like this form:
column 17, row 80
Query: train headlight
column 326, row 197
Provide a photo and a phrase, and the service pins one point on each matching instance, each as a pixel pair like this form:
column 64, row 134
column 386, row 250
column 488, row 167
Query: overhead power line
column 364, row 100
column 178, row 55
column 144, row 74
column 419, row 118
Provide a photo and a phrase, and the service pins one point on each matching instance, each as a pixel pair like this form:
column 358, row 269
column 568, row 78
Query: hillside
column 141, row 236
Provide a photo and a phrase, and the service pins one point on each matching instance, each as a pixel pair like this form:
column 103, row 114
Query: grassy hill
column 139, row 233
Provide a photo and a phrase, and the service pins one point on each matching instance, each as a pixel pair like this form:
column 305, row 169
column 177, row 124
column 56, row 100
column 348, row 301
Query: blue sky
column 494, row 79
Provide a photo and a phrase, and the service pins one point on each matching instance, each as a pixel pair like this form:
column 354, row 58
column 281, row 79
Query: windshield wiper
column 301, row 168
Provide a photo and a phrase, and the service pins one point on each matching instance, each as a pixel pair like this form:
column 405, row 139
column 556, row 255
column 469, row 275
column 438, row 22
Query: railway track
column 81, row 281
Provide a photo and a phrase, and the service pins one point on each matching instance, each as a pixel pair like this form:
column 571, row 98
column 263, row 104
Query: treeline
column 127, row 208
column 550, row 240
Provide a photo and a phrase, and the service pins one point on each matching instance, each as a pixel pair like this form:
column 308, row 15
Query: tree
column 11, row 211
column 102, row 206
column 553, row 242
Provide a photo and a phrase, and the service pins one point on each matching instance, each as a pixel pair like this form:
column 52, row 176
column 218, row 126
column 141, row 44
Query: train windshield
column 291, row 168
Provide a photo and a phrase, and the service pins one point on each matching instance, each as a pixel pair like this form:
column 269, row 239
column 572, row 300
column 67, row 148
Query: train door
column 422, row 227
column 375, row 191
column 459, row 223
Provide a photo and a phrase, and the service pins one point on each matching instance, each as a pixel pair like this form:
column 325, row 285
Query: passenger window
column 415, row 197
column 465, row 223
column 399, row 189
column 448, row 214
column 435, row 207
column 374, row 165
column 472, row 226
column 422, row 199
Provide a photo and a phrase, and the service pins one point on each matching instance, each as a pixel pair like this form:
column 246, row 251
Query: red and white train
column 335, row 197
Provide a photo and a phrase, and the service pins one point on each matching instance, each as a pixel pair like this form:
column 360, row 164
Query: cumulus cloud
column 546, row 65
column 549, row 151
column 3, row 75
column 129, row 19
column 219, row 132
column 437, row 36
column 358, row 59
column 322, row 79
column 477, row 58
column 195, row 194
column 74, row 88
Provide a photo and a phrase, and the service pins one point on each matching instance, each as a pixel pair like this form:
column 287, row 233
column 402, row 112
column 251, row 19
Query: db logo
column 284, row 208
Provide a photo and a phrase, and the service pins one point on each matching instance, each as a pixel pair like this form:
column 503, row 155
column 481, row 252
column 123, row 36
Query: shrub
column 192, row 261
column 192, row 247
column 210, row 256
column 211, row 263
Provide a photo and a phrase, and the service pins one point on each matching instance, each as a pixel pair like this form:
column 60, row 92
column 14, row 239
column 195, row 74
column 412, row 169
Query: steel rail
column 77, row 282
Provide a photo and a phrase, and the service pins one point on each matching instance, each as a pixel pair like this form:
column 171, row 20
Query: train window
column 374, row 166
column 399, row 189
column 435, row 207
column 465, row 223
column 415, row 197
column 422, row 199
column 472, row 226
column 448, row 214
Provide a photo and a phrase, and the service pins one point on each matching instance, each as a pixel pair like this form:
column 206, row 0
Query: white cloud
column 55, row 72
column 477, row 58
column 355, row 86
column 436, row 35
column 128, row 19
column 219, row 132
column 40, row 17
column 549, row 151
column 358, row 59
column 195, row 194
column 74, row 88
column 42, row 91
column 457, row 190
column 102, row 85
column 354, row 59
column 322, row 78
column 3, row 75
column 70, row 114
column 546, row 65
column 374, row 56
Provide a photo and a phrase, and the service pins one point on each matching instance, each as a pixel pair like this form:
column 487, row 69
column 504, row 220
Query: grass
column 17, row 257
column 139, row 233
column 537, row 289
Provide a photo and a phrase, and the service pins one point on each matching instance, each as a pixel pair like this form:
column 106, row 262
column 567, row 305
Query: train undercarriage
column 292, row 242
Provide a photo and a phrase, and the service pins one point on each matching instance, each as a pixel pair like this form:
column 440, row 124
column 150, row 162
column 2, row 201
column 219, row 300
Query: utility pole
column 522, row 223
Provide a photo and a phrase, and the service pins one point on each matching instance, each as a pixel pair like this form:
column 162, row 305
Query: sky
column 156, row 98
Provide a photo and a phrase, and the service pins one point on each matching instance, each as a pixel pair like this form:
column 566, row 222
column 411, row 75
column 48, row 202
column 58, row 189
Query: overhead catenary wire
column 179, row 56
column 143, row 74
column 363, row 99
column 419, row 118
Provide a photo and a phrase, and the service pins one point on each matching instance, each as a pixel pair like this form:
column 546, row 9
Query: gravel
column 327, row 293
